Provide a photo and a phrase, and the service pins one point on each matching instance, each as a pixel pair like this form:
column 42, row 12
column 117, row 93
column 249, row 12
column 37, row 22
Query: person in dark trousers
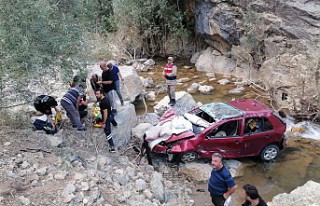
column 83, row 105
column 107, row 117
column 117, row 77
column 170, row 73
column 44, row 104
column 221, row 184
column 94, row 82
column 71, row 101
column 252, row 196
column 108, row 85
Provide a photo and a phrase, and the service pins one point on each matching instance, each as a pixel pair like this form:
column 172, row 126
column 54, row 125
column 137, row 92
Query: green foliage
column 41, row 37
column 15, row 120
column 155, row 21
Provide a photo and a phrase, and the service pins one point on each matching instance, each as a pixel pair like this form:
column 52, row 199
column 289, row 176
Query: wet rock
column 184, row 80
column 211, row 75
column 308, row 194
column 193, row 170
column 224, row 81
column 205, row 89
column 140, row 129
column 193, row 88
column 237, row 90
column 235, row 167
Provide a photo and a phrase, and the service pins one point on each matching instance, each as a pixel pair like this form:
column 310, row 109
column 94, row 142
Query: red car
column 239, row 128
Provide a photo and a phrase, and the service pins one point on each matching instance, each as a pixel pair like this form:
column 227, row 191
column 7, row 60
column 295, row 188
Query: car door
column 223, row 138
column 257, row 139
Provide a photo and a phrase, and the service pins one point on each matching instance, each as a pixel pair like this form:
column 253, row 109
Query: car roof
column 221, row 110
column 250, row 106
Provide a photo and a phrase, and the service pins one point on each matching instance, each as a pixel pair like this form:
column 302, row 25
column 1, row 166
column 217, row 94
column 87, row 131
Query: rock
column 224, row 81
column 184, row 80
column 193, row 88
column 151, row 96
column 148, row 82
column 205, row 89
column 126, row 119
column 146, row 66
column 194, row 57
column 60, row 175
column 140, row 129
column 25, row 165
column 24, row 201
column 141, row 185
column 184, row 103
column 133, row 85
column 308, row 194
column 151, row 118
column 193, row 170
column 187, row 67
column 157, row 186
column 55, row 140
column 7, row 144
column 103, row 160
column 42, row 171
column 207, row 62
column 237, row 90
column 211, row 75
column 148, row 194
column 235, row 167
column 84, row 186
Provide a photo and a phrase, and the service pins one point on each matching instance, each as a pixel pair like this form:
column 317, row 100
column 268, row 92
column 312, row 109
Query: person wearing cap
column 117, row 77
column 170, row 73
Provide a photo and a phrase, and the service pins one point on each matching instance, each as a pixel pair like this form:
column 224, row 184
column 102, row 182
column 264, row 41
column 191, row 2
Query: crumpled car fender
column 182, row 146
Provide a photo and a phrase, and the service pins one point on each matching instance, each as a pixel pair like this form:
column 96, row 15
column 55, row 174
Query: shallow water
column 297, row 164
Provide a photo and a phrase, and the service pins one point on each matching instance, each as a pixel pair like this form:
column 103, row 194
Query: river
column 296, row 164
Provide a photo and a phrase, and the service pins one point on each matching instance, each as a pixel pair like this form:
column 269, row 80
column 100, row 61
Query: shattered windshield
column 220, row 110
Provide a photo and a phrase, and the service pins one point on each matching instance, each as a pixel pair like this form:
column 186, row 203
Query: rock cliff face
column 275, row 42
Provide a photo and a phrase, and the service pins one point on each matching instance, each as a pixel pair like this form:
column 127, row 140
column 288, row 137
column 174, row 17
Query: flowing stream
column 297, row 164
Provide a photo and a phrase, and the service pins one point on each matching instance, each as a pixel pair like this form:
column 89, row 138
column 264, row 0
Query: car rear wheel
column 270, row 152
column 189, row 156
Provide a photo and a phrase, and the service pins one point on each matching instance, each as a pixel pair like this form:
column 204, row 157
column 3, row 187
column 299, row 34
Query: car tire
column 270, row 152
column 188, row 156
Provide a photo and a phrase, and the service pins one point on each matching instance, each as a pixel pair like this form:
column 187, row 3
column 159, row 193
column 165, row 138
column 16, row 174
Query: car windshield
column 219, row 111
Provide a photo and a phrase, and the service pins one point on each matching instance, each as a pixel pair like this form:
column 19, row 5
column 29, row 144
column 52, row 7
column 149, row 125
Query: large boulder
column 308, row 194
column 126, row 119
column 184, row 103
column 211, row 61
column 199, row 172
column 133, row 86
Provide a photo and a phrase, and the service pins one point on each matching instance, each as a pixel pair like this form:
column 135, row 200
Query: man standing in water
column 170, row 73
column 221, row 184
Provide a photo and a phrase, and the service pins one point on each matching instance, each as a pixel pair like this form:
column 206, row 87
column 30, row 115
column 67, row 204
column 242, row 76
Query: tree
column 40, row 38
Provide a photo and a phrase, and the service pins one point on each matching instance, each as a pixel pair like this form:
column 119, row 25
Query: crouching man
column 45, row 104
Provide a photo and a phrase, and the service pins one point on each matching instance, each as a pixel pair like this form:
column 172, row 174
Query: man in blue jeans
column 117, row 76
column 107, row 117
column 221, row 184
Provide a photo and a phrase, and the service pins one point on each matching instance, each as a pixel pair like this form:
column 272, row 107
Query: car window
column 257, row 124
column 227, row 129
column 267, row 126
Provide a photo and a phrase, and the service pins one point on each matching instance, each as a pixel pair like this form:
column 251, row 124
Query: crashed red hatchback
column 239, row 128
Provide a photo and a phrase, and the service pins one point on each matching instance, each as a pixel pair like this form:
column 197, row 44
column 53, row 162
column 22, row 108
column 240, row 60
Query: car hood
column 184, row 135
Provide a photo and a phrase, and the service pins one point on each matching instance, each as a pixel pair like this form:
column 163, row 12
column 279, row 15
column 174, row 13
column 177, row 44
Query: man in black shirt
column 108, row 84
column 107, row 117
column 252, row 196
